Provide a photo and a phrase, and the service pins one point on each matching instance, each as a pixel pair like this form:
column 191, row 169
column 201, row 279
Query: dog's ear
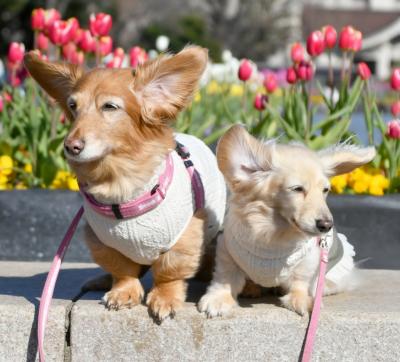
column 240, row 156
column 164, row 86
column 56, row 78
column 344, row 158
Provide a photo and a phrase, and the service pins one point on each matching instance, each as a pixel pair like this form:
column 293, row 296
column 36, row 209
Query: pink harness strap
column 48, row 289
column 313, row 325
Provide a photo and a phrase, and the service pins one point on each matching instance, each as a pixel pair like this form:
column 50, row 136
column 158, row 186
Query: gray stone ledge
column 363, row 325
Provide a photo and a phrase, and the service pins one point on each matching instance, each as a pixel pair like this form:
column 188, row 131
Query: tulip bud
column 137, row 56
column 105, row 45
column 162, row 43
column 297, row 53
column 38, row 19
column 260, row 101
column 42, row 41
column 363, row 71
column 100, row 24
column 270, row 82
column 393, row 129
column 61, row 32
column 315, row 43
column 305, row 71
column 395, row 79
column 16, row 52
column 395, row 109
column 291, row 76
column 50, row 16
column 245, row 70
column 346, row 38
column 87, row 42
column 330, row 36
column 117, row 60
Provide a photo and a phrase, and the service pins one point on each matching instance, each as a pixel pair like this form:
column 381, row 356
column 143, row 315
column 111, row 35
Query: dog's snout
column 324, row 225
column 74, row 146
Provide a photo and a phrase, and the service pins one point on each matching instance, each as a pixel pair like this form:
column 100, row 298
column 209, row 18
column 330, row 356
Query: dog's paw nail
column 216, row 305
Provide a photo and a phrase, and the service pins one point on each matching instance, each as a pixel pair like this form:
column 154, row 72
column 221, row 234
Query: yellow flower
column 73, row 183
column 3, row 179
column 6, row 165
column 197, row 97
column 360, row 187
column 64, row 180
column 236, row 90
column 20, row 186
column 378, row 184
column 213, row 87
column 28, row 168
column 4, row 187
column 338, row 183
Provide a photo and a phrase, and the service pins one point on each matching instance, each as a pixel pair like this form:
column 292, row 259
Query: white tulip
column 162, row 43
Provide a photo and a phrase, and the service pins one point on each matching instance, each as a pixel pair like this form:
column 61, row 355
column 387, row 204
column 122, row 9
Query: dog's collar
column 151, row 199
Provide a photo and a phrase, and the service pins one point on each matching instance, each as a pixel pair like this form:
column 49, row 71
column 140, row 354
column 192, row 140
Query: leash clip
column 323, row 242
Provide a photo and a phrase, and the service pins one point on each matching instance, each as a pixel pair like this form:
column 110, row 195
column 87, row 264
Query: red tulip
column 1, row 104
column 363, row 71
column 395, row 109
column 395, row 79
column 270, row 82
column 346, row 38
column 330, row 36
column 260, row 101
column 357, row 41
column 245, row 70
column 68, row 50
column 315, row 43
column 100, row 24
column 87, row 42
column 38, row 19
column 42, row 41
column 16, row 52
column 50, row 16
column 117, row 60
column 105, row 45
column 77, row 57
column 305, row 71
column 78, row 36
column 291, row 76
column 297, row 53
column 62, row 32
column 393, row 129
column 137, row 56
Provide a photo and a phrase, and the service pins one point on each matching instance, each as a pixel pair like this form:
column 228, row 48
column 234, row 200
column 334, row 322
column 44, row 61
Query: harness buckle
column 154, row 189
column 188, row 163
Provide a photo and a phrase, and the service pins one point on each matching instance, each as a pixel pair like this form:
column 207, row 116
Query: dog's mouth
column 304, row 231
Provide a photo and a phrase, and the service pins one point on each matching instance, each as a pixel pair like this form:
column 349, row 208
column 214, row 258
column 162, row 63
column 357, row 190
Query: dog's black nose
column 74, row 146
column 324, row 225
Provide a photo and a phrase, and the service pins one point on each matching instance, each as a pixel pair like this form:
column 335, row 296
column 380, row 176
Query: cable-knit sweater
column 145, row 237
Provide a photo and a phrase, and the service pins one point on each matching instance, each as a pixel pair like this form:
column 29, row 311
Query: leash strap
column 51, row 279
column 313, row 325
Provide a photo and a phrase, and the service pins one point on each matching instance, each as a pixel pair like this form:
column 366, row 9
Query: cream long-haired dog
column 276, row 211
column 119, row 146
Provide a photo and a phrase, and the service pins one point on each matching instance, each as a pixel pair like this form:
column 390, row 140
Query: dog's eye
column 72, row 105
column 297, row 188
column 109, row 106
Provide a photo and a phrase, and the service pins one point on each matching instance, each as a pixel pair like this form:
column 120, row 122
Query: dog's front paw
column 124, row 295
column 163, row 302
column 216, row 304
column 298, row 301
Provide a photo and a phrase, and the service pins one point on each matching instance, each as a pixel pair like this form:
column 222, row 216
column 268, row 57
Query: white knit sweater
column 145, row 237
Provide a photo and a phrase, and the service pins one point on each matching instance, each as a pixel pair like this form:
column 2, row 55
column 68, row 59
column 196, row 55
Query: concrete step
column 363, row 325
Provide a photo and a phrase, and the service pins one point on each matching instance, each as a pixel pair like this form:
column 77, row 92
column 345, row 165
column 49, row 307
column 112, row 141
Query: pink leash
column 313, row 325
column 48, row 289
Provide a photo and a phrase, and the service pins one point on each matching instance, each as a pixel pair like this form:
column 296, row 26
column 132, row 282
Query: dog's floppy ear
column 344, row 158
column 240, row 155
column 56, row 78
column 164, row 86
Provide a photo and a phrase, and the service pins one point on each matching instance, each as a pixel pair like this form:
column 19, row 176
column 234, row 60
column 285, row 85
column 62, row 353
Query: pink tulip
column 315, row 43
column 393, row 129
column 38, row 19
column 137, row 56
column 105, row 45
column 260, row 101
column 346, row 38
column 62, row 32
column 395, row 79
column 270, row 82
column 363, row 71
column 117, row 60
column 357, row 41
column 305, row 71
column 78, row 57
column 87, row 42
column 1, row 104
column 395, row 109
column 291, row 76
column 100, row 24
column 50, row 16
column 245, row 70
column 78, row 36
column 16, row 52
column 42, row 41
column 297, row 53
column 68, row 50
column 330, row 36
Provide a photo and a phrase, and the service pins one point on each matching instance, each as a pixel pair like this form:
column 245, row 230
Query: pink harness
column 137, row 207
